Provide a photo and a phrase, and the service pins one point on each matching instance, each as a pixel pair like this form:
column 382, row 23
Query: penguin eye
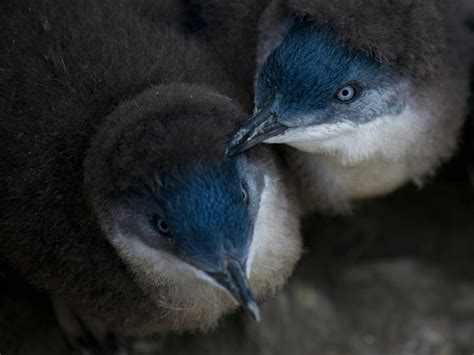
column 347, row 94
column 245, row 194
column 161, row 225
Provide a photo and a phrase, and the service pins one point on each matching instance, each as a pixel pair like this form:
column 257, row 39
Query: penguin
column 366, row 96
column 117, row 196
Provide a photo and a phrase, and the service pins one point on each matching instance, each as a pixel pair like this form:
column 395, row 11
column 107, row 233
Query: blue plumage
column 206, row 213
column 210, row 199
column 303, row 75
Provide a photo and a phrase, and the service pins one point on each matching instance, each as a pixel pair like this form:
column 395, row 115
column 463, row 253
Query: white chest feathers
column 368, row 179
column 371, row 159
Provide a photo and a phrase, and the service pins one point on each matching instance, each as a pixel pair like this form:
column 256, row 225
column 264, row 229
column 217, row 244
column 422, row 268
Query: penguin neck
column 370, row 178
column 378, row 157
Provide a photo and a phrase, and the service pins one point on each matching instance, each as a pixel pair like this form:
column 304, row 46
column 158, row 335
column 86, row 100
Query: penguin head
column 202, row 215
column 312, row 87
column 168, row 197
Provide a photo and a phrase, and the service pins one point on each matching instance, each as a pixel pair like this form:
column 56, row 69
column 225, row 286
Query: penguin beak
column 261, row 126
column 234, row 280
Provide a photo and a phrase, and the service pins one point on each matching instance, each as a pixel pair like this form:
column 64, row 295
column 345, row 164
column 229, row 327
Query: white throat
column 371, row 159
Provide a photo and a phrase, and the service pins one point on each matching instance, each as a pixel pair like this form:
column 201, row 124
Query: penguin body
column 114, row 129
column 370, row 95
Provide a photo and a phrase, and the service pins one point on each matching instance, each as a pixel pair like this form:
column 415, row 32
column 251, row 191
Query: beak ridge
column 261, row 126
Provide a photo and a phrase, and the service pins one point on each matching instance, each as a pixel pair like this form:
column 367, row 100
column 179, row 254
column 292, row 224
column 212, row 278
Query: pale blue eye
column 161, row 225
column 346, row 94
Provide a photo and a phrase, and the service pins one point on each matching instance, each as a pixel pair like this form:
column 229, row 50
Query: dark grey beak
column 234, row 280
column 259, row 127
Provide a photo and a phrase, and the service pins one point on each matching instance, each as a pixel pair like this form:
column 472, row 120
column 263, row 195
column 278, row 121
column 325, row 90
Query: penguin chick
column 183, row 214
column 117, row 196
column 371, row 94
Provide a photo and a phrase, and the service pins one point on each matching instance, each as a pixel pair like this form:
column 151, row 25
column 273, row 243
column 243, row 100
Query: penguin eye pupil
column 161, row 225
column 347, row 94
column 245, row 195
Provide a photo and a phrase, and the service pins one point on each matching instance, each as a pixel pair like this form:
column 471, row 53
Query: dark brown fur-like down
column 413, row 36
column 409, row 35
column 470, row 129
column 64, row 67
column 230, row 29
column 116, row 164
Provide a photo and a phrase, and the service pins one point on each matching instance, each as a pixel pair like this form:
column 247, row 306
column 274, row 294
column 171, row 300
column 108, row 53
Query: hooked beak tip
column 238, row 144
column 252, row 310
column 260, row 127
column 234, row 280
